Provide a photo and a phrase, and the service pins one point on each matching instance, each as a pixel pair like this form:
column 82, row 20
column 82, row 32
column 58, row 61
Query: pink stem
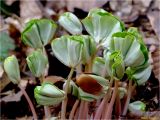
column 29, row 102
column 73, row 109
column 110, row 106
column 76, row 115
column 85, row 112
column 100, row 109
column 128, row 98
column 81, row 110
column 118, row 106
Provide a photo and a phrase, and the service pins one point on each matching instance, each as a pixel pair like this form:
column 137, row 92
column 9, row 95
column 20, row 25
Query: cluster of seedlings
column 107, row 80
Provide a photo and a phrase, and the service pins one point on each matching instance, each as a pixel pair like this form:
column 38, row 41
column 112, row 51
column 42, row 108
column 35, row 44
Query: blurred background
column 143, row 14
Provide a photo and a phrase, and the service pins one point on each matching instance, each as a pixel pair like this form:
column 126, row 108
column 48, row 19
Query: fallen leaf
column 156, row 63
column 29, row 10
column 53, row 79
column 154, row 17
column 12, row 97
column 85, row 5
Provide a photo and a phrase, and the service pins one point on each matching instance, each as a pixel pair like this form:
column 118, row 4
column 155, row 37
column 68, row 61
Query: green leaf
column 71, row 23
column 38, row 32
column 89, row 48
column 37, row 63
column 47, row 29
column 11, row 67
column 99, row 66
column 6, row 44
column 48, row 94
column 114, row 64
column 68, row 49
column 137, row 106
column 101, row 25
column 141, row 75
column 134, row 52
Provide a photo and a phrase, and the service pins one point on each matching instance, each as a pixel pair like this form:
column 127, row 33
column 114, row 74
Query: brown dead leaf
column 29, row 10
column 156, row 61
column 154, row 17
column 4, row 82
column 85, row 5
column 53, row 79
column 12, row 97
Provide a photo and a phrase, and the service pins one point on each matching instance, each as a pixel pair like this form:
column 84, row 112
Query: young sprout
column 37, row 63
column 68, row 49
column 101, row 25
column 11, row 67
column 71, row 23
column 134, row 52
column 38, row 33
column 48, row 94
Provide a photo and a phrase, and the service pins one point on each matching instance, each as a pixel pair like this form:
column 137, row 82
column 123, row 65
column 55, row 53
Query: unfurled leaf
column 37, row 63
column 140, row 76
column 114, row 64
column 68, row 50
column 38, row 33
column 6, row 44
column 48, row 94
column 11, row 67
column 101, row 25
column 89, row 48
column 134, row 52
column 71, row 23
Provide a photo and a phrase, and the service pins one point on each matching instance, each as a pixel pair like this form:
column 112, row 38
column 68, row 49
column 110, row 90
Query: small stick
column 29, row 102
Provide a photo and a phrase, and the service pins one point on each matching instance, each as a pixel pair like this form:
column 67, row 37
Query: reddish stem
column 29, row 102
column 118, row 106
column 73, row 109
column 110, row 106
column 128, row 98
